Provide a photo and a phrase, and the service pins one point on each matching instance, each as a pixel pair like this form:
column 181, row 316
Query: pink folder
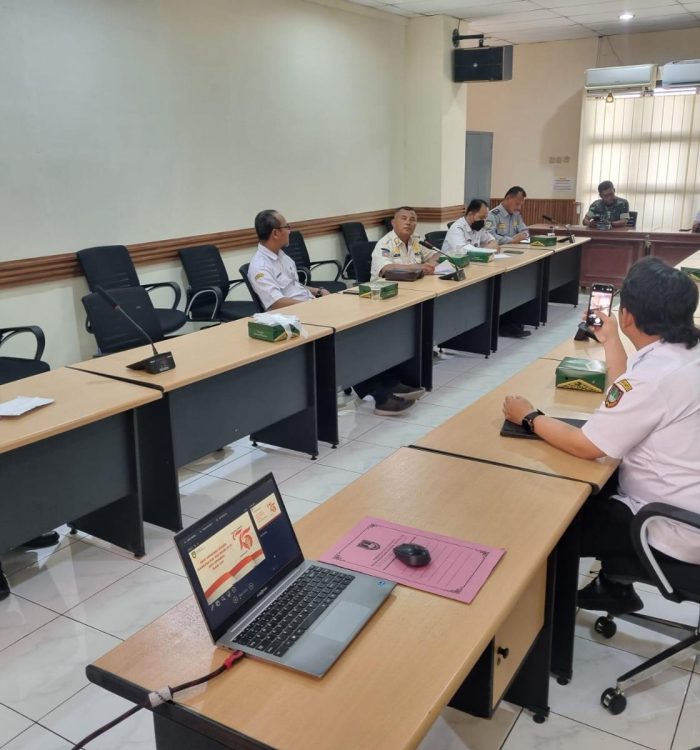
column 457, row 569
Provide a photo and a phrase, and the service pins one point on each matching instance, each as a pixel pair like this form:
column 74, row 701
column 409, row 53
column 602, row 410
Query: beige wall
column 537, row 115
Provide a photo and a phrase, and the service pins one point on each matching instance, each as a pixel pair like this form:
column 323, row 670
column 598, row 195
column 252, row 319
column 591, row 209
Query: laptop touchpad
column 343, row 621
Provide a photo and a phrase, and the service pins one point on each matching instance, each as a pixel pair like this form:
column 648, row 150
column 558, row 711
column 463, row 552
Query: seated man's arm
column 622, row 222
column 588, row 218
column 489, row 241
column 267, row 288
column 282, row 302
column 561, row 435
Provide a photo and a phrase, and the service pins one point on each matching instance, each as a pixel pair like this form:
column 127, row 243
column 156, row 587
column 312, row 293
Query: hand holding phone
column 600, row 301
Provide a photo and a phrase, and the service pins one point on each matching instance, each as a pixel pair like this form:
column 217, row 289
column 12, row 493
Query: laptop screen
column 234, row 555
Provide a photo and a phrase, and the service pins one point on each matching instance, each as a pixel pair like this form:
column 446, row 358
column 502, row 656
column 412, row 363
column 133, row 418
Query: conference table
column 225, row 386
column 418, row 653
column 562, row 280
column 85, row 459
column 369, row 337
column 461, row 312
column 474, row 434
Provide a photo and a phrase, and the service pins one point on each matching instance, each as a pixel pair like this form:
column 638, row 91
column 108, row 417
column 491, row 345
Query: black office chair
column 243, row 270
column 450, row 223
column 388, row 226
column 676, row 581
column 436, row 238
column 209, row 285
column 16, row 368
column 632, row 220
column 352, row 231
column 111, row 267
column 298, row 252
column 361, row 253
column 112, row 331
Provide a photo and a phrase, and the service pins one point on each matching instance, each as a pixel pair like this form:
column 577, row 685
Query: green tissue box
column 581, row 374
column 694, row 273
column 386, row 289
column 269, row 333
column 543, row 241
column 480, row 256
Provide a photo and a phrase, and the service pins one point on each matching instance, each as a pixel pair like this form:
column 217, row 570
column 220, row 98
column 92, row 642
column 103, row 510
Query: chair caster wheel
column 605, row 626
column 613, row 700
column 563, row 680
column 539, row 718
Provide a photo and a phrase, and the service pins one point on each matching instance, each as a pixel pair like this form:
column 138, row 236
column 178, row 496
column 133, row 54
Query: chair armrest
column 7, row 333
column 209, row 291
column 172, row 284
column 327, row 263
column 232, row 285
column 638, row 529
column 304, row 275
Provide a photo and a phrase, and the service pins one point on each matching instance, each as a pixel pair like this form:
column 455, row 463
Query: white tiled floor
column 74, row 602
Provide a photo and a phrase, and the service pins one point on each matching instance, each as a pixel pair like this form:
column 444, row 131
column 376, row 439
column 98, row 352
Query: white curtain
column 650, row 148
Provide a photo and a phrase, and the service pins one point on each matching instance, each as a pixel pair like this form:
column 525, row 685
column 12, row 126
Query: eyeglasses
column 285, row 226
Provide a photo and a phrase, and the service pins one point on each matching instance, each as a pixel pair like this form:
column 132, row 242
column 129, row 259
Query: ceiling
column 522, row 21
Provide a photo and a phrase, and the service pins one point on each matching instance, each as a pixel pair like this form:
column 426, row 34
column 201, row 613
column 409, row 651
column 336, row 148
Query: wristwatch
column 529, row 420
column 318, row 293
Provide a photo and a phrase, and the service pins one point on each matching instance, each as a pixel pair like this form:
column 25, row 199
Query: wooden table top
column 474, row 273
column 529, row 255
column 587, row 349
column 341, row 311
column 198, row 355
column 79, row 399
column 559, row 247
column 474, row 432
column 389, row 686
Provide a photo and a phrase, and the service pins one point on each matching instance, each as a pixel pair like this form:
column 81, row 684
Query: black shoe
column 392, row 407
column 4, row 586
column 43, row 540
column 513, row 331
column 408, row 392
column 604, row 595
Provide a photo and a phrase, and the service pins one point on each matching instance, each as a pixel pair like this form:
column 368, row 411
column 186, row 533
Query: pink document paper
column 457, row 569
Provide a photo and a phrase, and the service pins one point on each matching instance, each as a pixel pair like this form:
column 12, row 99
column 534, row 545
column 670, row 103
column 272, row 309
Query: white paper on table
column 500, row 256
column 21, row 405
column 444, row 267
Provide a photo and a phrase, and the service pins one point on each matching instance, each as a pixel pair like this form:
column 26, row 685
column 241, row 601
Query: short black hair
column 405, row 208
column 605, row 185
column 265, row 222
column 662, row 300
column 475, row 204
column 515, row 190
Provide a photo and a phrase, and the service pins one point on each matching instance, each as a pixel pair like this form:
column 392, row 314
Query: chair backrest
column 387, row 223
column 204, row 269
column 632, row 221
column 109, row 266
column 450, row 223
column 112, row 331
column 352, row 231
column 297, row 250
column 243, row 270
column 361, row 253
column 436, row 238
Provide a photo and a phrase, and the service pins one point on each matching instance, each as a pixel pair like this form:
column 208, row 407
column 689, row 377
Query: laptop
column 258, row 594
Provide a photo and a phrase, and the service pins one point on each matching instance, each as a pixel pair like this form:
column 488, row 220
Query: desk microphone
column 153, row 365
column 429, row 245
column 569, row 238
column 548, row 218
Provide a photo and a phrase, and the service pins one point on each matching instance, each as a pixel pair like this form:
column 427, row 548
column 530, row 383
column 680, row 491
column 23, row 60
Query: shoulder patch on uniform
column 614, row 396
column 386, row 252
column 625, row 384
column 259, row 276
column 488, row 224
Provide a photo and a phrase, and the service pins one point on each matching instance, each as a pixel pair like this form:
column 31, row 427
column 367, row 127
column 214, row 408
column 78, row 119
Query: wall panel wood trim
column 53, row 267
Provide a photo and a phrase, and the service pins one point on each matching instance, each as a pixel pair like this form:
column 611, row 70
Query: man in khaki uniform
column 400, row 249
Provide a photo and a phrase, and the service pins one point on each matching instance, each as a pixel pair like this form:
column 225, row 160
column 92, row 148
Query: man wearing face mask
column 469, row 230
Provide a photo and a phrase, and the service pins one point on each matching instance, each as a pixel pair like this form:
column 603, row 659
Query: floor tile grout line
column 680, row 713
column 604, row 731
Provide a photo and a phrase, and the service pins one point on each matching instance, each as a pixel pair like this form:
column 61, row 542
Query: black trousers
column 380, row 387
column 605, row 528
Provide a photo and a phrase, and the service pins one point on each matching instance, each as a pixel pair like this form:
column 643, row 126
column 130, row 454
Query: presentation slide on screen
column 227, row 557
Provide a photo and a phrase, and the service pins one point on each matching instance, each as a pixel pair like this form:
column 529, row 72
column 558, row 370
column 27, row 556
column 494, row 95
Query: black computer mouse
column 411, row 554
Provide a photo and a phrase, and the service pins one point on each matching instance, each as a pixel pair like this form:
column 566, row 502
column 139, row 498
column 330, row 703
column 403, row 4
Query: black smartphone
column 600, row 301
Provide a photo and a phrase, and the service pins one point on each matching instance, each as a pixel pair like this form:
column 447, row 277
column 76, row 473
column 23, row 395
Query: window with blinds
column 649, row 146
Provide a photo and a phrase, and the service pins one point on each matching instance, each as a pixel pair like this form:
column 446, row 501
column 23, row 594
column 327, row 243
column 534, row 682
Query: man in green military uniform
column 505, row 222
column 608, row 209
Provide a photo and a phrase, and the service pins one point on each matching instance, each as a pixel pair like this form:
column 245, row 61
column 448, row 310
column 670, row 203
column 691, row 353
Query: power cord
column 157, row 697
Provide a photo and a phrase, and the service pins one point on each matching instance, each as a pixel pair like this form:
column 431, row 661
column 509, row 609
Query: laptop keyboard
column 284, row 621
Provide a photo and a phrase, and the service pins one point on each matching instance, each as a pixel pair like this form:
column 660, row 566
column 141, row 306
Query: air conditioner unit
column 680, row 74
column 621, row 77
